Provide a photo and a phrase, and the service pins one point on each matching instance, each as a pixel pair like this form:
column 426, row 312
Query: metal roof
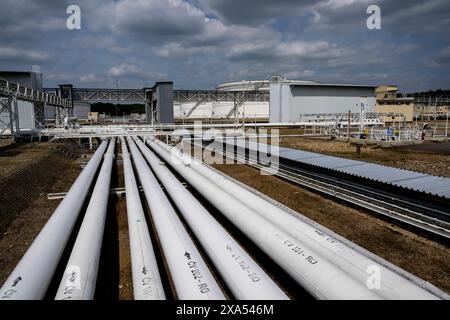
column 406, row 179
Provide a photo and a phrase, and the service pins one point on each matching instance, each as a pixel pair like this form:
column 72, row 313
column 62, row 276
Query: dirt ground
column 25, row 226
column 115, row 280
column 14, row 157
column 425, row 258
column 125, row 277
column 409, row 158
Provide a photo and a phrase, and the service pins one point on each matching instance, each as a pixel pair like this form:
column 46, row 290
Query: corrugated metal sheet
column 411, row 180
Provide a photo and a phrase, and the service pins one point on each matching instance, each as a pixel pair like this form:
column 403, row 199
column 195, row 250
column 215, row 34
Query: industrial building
column 292, row 100
column 221, row 104
column 276, row 100
column 296, row 100
column 393, row 106
column 30, row 114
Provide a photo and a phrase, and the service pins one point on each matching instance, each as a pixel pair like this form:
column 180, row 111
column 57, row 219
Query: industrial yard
column 162, row 206
column 224, row 158
column 269, row 209
column 26, row 165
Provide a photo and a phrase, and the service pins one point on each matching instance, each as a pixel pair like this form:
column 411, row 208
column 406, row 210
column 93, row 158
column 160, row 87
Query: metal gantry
column 11, row 92
column 203, row 96
column 109, row 95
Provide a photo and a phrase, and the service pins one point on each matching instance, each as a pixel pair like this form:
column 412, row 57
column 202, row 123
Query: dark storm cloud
column 398, row 17
column 201, row 43
column 255, row 12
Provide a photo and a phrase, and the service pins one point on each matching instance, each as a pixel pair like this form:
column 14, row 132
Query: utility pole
column 446, row 125
column 435, row 114
column 117, row 92
column 348, row 126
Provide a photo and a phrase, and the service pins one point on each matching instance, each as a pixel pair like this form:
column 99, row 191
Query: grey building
column 291, row 100
column 162, row 103
column 31, row 115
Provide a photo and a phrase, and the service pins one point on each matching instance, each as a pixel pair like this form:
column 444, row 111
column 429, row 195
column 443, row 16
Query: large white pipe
column 147, row 283
column 191, row 277
column 241, row 273
column 80, row 277
column 311, row 270
column 32, row 275
column 394, row 283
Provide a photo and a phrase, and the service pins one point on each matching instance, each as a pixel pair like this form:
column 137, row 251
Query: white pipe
column 190, row 274
column 394, row 283
column 146, row 278
column 80, row 277
column 32, row 275
column 312, row 271
column 241, row 273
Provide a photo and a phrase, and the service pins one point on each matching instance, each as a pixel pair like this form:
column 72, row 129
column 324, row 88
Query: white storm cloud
column 12, row 53
column 125, row 70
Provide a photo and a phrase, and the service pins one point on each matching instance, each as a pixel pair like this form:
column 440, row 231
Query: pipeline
column 32, row 275
column 312, row 271
column 191, row 277
column 395, row 283
column 240, row 272
column 146, row 278
column 80, row 277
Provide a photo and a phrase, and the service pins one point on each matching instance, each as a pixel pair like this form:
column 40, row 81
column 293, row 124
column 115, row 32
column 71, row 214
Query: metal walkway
column 11, row 89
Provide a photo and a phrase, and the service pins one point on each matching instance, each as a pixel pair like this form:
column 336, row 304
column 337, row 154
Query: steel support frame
column 9, row 104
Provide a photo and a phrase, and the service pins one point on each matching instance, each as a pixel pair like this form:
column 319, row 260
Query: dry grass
column 425, row 258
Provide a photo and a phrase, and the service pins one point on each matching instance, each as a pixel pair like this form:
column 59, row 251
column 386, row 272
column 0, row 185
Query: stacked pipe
column 395, row 283
column 241, row 273
column 190, row 274
column 32, row 275
column 146, row 278
column 327, row 268
column 80, row 277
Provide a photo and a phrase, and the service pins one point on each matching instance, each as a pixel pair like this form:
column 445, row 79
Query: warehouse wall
column 280, row 102
column 289, row 103
column 406, row 110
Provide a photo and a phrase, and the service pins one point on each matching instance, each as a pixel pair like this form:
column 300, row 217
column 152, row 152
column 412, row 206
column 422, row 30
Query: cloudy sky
column 201, row 43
